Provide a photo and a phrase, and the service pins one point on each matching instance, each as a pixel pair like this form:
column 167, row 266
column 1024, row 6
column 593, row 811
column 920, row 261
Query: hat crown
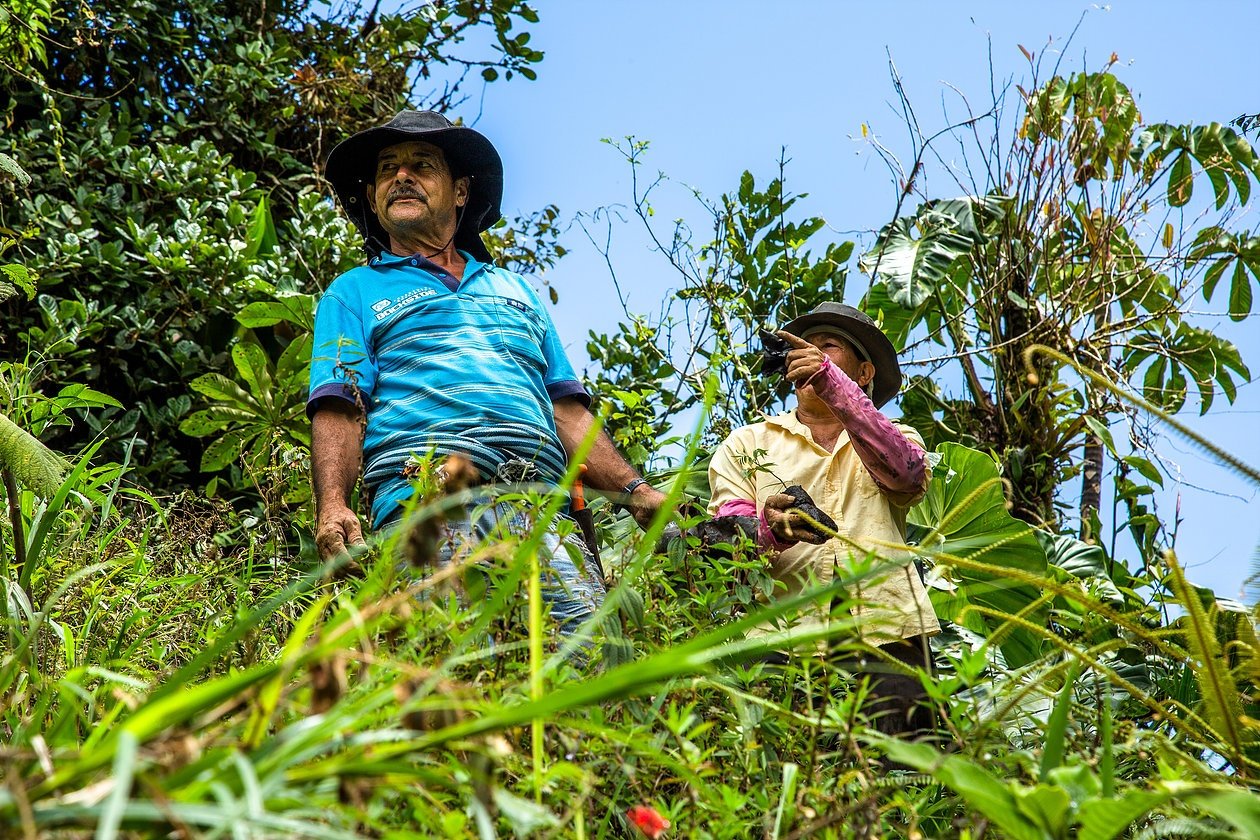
column 830, row 307
column 408, row 119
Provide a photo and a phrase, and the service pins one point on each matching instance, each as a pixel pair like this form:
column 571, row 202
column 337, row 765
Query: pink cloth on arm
column 897, row 465
column 765, row 537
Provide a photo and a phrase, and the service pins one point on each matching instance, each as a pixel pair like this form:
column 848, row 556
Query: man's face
column 414, row 196
column 843, row 356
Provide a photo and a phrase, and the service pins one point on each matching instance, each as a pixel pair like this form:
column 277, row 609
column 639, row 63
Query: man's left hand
column 643, row 503
column 786, row 523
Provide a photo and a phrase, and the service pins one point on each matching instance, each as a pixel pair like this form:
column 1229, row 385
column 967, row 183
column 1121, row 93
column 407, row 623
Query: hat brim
column 351, row 169
column 883, row 354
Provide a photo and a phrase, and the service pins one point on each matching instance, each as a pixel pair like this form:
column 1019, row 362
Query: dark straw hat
column 858, row 324
column 352, row 166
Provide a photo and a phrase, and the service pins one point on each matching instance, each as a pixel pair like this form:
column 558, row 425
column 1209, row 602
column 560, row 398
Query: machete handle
column 577, row 499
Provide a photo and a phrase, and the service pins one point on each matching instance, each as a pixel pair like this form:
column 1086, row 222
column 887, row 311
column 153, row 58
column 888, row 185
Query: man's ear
column 461, row 191
column 370, row 191
column 866, row 372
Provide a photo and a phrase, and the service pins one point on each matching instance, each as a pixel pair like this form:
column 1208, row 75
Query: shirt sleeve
column 560, row 379
column 896, row 463
column 342, row 365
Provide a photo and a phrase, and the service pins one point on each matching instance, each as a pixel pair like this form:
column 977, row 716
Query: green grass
column 179, row 668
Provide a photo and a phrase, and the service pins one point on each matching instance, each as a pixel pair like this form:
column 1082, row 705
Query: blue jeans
column 571, row 587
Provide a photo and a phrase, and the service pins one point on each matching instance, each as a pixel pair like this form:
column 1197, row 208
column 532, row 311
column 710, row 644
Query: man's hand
column 643, row 503
column 335, row 529
column 336, row 450
column 786, row 524
column 606, row 469
column 804, row 360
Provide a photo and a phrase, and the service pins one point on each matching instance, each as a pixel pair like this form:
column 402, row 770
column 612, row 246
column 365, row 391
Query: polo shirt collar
column 386, row 259
column 789, row 422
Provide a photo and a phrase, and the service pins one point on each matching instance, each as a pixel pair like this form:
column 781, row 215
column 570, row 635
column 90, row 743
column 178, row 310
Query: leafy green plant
column 1047, row 251
column 14, row 277
column 189, row 126
column 263, row 425
column 757, row 270
column 964, row 517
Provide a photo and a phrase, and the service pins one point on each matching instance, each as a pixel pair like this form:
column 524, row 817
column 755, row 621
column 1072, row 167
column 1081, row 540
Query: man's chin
column 408, row 217
column 406, row 208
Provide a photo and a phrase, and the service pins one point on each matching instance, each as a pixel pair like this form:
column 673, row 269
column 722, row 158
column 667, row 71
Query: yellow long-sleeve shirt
column 760, row 460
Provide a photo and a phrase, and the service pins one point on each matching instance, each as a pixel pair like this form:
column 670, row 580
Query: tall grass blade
column 1221, row 703
column 1107, row 760
column 217, row 819
column 121, row 776
column 50, row 513
column 787, row 800
column 535, row 667
column 1056, row 728
column 156, row 716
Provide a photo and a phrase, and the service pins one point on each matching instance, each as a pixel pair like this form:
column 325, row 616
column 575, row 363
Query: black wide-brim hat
column 857, row 323
column 352, row 166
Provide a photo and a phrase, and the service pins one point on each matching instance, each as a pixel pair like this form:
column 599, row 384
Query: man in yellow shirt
column 861, row 469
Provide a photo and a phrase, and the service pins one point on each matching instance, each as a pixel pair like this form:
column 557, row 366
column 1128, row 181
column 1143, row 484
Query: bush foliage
column 176, row 660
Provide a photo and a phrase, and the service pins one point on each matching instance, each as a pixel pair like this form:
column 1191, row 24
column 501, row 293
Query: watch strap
column 634, row 485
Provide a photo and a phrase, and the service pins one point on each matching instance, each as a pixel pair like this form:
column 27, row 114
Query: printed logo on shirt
column 513, row 302
column 383, row 308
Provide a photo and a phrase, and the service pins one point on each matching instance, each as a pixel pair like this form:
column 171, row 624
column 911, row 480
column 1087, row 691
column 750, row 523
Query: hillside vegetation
column 175, row 661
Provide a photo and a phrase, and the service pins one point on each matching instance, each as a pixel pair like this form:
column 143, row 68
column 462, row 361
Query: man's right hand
column 786, row 524
column 804, row 360
column 336, row 529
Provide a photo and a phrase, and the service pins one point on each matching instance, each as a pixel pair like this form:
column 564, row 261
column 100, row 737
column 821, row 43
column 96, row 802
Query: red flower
column 647, row 820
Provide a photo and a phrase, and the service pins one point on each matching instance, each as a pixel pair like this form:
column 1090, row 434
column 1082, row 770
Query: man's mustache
column 404, row 192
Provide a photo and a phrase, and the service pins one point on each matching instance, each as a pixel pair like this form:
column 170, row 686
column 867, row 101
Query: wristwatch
column 634, row 485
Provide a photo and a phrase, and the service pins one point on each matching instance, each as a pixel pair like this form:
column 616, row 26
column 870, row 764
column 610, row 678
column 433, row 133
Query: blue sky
column 720, row 87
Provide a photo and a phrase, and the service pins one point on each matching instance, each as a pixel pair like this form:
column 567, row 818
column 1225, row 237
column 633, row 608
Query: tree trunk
column 1028, row 425
column 1091, row 484
column 1092, row 470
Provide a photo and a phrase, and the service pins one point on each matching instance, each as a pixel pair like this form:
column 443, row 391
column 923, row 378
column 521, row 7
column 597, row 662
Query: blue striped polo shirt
column 469, row 367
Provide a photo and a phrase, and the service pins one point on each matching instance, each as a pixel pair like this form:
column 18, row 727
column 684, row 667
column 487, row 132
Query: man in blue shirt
column 438, row 349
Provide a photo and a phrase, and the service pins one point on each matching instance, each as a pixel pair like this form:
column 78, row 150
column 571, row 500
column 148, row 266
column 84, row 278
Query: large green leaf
column 32, row 464
column 895, row 320
column 1076, row 557
column 17, row 277
column 216, row 386
column 1080, row 560
column 914, row 266
column 207, row 421
column 911, row 266
column 294, row 308
column 226, row 449
column 254, row 369
column 261, row 239
column 1239, row 808
column 964, row 515
column 1103, row 819
column 11, row 167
